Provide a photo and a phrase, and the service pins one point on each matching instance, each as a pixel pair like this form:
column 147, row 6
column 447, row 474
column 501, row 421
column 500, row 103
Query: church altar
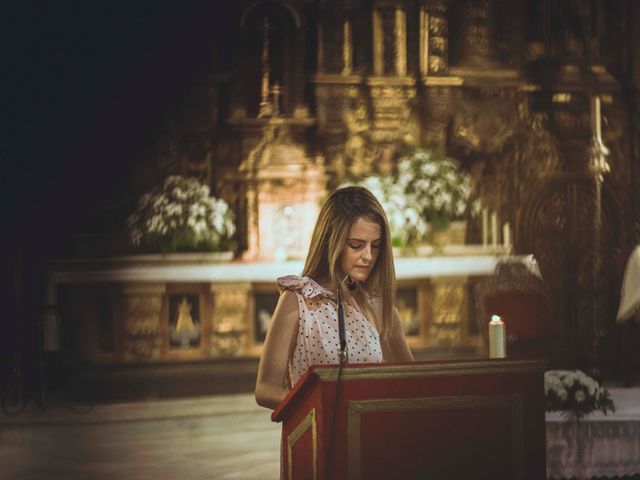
column 185, row 307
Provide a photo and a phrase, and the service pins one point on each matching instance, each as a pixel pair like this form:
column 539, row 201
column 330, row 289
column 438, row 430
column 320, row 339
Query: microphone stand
column 342, row 359
column 342, row 348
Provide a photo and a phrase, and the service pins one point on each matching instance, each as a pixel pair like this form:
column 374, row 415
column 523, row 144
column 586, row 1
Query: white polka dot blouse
column 317, row 341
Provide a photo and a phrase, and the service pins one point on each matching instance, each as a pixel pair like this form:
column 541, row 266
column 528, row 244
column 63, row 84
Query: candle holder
column 598, row 166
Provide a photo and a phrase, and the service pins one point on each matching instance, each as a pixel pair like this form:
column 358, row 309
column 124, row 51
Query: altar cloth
column 599, row 445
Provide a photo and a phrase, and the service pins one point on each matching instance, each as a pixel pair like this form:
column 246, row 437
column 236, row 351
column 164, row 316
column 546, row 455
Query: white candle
column 497, row 338
column 494, row 229
column 506, row 235
column 485, row 227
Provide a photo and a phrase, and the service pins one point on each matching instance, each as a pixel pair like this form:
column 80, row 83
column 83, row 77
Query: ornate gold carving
column 308, row 422
column 562, row 97
column 143, row 307
column 392, row 115
column 357, row 408
column 230, row 332
column 450, row 306
column 477, row 34
column 356, row 120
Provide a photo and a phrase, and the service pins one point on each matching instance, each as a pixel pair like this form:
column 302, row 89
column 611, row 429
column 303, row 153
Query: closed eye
column 357, row 245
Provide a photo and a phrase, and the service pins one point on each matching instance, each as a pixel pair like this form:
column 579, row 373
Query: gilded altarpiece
column 503, row 86
column 142, row 320
column 230, row 331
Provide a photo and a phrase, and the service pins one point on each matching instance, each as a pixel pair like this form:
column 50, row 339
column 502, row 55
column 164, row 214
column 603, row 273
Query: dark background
column 85, row 87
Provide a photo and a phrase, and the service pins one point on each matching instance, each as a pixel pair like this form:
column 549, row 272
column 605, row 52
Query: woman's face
column 362, row 249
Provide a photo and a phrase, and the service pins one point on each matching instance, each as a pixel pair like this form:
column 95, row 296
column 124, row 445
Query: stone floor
column 213, row 437
column 218, row 437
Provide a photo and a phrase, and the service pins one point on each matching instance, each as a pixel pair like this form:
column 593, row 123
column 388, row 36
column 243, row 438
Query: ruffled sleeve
column 304, row 286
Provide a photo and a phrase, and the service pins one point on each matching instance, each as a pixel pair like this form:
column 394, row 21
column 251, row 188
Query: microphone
column 351, row 283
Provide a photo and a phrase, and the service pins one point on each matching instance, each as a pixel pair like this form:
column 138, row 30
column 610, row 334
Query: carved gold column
column 230, row 321
column 450, row 312
column 378, row 45
column 434, row 34
column 401, row 42
column 143, row 307
column 347, row 48
column 424, row 41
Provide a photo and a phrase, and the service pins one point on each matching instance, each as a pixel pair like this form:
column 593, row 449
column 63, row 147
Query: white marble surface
column 85, row 271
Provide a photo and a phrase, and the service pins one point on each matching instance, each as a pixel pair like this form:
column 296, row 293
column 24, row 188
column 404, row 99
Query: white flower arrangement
column 575, row 393
column 180, row 215
column 427, row 192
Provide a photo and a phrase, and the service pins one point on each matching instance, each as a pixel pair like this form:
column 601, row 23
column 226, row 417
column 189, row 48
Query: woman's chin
column 359, row 276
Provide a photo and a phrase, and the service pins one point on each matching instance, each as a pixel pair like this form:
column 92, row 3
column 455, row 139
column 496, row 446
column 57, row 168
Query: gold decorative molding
column 418, row 370
column 335, row 79
column 357, row 408
column 433, row 81
column 307, row 422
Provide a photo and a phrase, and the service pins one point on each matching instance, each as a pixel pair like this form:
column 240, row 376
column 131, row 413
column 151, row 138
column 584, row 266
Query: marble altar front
column 150, row 309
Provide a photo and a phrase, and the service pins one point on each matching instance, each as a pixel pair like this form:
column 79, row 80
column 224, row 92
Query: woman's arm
column 280, row 341
column 395, row 349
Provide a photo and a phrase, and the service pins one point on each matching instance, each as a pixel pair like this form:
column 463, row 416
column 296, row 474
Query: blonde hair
column 341, row 210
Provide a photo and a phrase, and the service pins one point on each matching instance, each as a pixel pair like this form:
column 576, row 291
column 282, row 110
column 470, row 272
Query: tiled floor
column 221, row 437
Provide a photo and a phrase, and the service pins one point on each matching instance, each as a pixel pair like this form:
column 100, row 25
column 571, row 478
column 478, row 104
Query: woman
column 351, row 244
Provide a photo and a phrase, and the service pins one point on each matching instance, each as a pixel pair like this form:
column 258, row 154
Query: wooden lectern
column 472, row 419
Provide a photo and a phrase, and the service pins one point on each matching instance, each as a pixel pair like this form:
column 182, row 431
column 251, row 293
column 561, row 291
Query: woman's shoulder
column 304, row 286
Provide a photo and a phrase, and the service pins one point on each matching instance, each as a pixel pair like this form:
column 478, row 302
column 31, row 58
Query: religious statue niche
column 184, row 321
column 265, row 304
column 407, row 302
column 266, row 63
column 283, row 190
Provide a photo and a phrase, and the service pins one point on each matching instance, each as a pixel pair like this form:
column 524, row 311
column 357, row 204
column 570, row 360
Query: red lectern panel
column 471, row 419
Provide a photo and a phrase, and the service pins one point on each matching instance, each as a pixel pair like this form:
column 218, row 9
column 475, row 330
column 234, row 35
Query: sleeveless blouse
column 318, row 339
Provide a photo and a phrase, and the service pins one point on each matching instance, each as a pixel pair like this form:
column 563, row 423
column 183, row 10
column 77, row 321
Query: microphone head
column 351, row 283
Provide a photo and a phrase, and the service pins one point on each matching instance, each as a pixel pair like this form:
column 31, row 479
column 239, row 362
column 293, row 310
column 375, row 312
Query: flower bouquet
column 426, row 194
column 575, row 393
column 181, row 216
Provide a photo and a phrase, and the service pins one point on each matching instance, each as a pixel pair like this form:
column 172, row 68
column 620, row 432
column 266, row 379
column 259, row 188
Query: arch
column 292, row 11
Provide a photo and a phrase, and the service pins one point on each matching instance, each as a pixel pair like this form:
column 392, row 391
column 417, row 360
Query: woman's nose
column 366, row 253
